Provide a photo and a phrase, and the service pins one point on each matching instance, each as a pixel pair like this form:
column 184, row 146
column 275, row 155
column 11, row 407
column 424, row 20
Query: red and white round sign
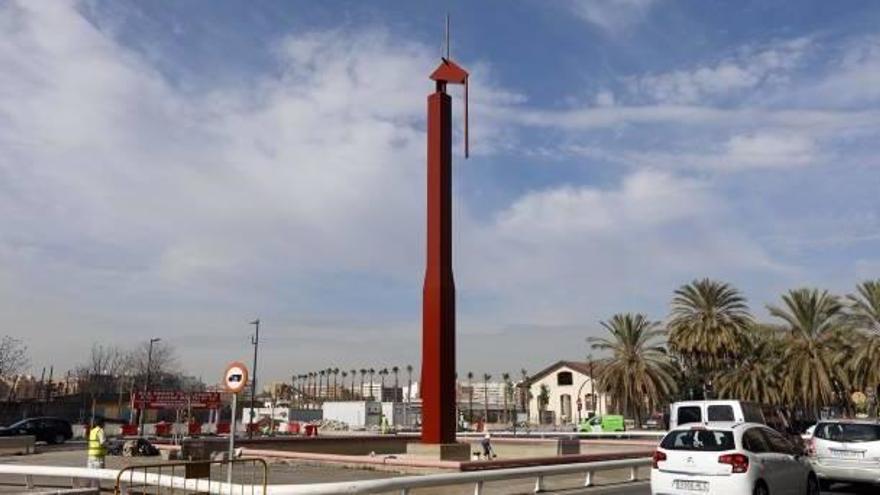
column 236, row 377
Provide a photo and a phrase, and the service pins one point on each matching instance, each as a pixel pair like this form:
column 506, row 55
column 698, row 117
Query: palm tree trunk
column 486, row 401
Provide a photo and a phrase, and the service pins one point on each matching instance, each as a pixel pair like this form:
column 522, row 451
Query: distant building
column 489, row 396
column 565, row 382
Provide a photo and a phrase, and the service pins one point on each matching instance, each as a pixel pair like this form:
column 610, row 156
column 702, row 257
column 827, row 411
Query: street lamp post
column 147, row 383
column 255, row 340
column 593, row 401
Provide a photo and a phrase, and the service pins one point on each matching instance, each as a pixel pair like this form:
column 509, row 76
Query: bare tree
column 13, row 356
column 164, row 367
column 100, row 372
column 103, row 360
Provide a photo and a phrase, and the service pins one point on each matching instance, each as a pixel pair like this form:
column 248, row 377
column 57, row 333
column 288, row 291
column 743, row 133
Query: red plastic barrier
column 293, row 428
column 311, row 430
column 195, row 428
column 253, row 427
column 222, row 428
column 163, row 429
column 129, row 430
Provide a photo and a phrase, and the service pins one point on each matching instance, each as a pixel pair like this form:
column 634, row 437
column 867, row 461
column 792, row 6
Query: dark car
column 49, row 430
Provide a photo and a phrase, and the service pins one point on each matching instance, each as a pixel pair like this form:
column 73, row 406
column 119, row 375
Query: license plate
column 847, row 454
column 693, row 486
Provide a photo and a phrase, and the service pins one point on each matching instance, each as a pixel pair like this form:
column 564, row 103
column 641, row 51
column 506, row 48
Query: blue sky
column 178, row 168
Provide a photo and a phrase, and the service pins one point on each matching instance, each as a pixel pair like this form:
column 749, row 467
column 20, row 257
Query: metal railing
column 478, row 479
column 137, row 479
column 189, row 476
column 402, row 485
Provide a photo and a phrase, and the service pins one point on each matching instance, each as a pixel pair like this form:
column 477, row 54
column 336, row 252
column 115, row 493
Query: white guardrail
column 583, row 435
column 402, row 484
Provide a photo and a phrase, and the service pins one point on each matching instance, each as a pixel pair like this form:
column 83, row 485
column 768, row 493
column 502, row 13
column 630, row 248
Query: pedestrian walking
column 488, row 451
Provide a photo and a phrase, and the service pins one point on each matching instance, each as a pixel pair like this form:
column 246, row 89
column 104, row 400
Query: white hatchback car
column 846, row 450
column 730, row 459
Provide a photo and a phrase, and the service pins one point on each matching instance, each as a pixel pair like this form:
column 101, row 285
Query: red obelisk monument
column 438, row 311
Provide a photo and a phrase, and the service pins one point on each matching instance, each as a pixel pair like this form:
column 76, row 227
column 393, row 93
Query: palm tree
column 524, row 393
column 382, row 374
column 864, row 315
column 486, row 378
column 396, row 371
column 353, row 373
column 639, row 372
column 303, row 379
column 327, row 390
column 363, row 375
column 321, row 390
column 813, row 320
column 543, row 400
column 371, row 371
column 470, row 377
column 335, row 390
column 293, row 379
column 755, row 377
column 342, row 383
column 708, row 322
column 506, row 378
column 409, row 370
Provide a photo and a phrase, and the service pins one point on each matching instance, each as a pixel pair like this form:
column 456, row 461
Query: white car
column 714, row 411
column 846, row 450
column 730, row 459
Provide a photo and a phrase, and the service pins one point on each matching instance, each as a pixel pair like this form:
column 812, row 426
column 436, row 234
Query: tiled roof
column 579, row 366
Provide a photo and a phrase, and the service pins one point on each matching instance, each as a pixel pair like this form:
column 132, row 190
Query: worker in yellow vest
column 97, row 445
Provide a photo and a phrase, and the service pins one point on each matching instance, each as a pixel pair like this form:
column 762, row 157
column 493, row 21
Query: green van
column 598, row 424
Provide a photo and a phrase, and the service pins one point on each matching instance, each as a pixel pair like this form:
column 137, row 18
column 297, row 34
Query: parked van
column 704, row 411
column 598, row 424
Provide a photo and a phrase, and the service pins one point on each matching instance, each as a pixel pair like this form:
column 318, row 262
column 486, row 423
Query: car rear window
column 698, row 440
column 848, row 432
column 721, row 413
column 689, row 414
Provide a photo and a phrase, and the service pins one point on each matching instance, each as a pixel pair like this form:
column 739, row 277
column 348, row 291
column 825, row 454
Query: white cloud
column 851, row 79
column 605, row 98
column 747, row 70
column 769, row 150
column 612, row 15
column 577, row 254
column 126, row 201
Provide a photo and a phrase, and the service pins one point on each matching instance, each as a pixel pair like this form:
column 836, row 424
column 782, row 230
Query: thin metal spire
column 447, row 36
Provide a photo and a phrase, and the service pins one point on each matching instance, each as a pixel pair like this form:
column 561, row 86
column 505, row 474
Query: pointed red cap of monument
column 449, row 72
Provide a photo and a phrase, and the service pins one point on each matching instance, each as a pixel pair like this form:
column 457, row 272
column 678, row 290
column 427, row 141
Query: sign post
column 234, row 379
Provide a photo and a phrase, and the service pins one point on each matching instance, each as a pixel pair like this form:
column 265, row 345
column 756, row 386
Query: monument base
column 440, row 451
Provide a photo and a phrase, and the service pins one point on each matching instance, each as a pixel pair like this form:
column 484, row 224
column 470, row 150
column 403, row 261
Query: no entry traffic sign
column 236, row 377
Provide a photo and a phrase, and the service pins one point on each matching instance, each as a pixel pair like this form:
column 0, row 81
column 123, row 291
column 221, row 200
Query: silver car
column 846, row 450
